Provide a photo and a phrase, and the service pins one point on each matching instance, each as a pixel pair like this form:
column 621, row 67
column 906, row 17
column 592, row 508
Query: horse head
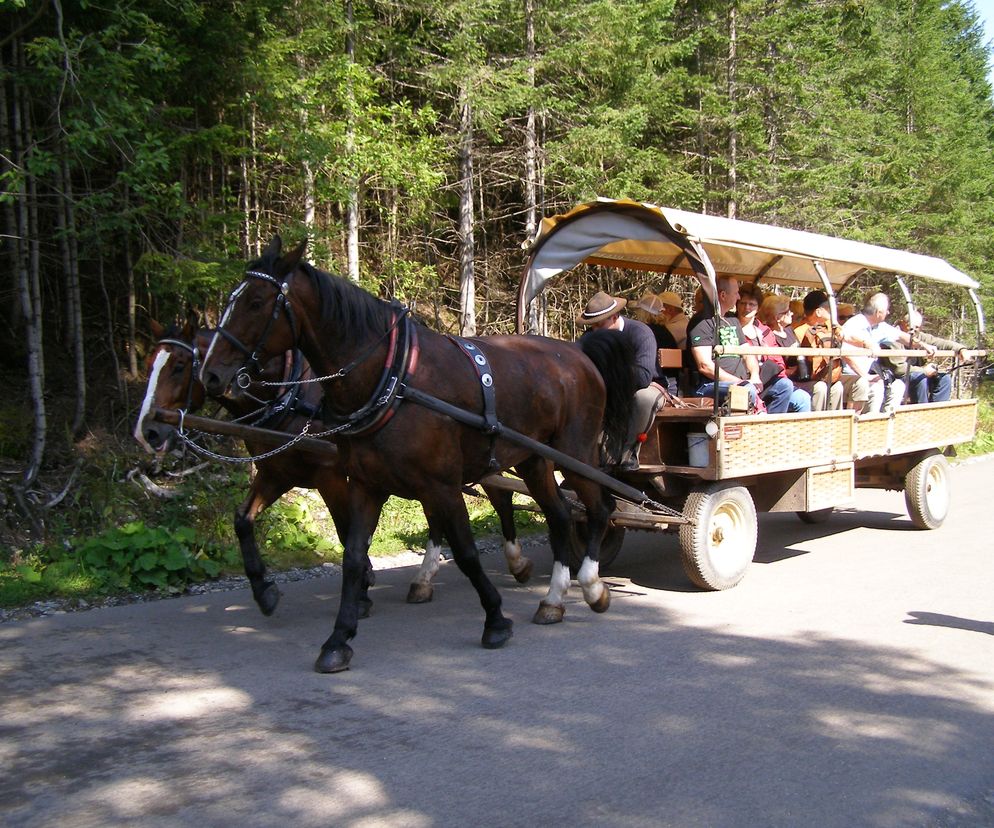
column 173, row 381
column 258, row 322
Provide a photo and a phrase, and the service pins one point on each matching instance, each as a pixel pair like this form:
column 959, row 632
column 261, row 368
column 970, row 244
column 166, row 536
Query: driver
column 604, row 312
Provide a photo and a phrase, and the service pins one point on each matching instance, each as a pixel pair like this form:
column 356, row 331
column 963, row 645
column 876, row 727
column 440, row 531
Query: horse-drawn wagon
column 717, row 468
column 440, row 412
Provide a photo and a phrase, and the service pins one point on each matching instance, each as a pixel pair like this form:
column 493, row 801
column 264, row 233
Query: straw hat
column 668, row 297
column 600, row 307
column 650, row 303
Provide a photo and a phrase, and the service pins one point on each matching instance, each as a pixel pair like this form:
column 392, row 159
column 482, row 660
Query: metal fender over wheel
column 610, row 546
column 926, row 491
column 817, row 516
column 719, row 543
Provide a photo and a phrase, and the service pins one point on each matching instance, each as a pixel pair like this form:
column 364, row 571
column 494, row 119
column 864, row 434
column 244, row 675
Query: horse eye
column 255, row 303
column 178, row 368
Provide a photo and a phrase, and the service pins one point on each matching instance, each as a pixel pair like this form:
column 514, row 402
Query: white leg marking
column 590, row 581
column 558, row 585
column 161, row 359
column 430, row 564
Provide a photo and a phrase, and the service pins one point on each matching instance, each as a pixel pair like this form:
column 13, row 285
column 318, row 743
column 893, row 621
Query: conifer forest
column 150, row 148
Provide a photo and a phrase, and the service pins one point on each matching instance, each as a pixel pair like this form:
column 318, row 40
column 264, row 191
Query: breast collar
column 401, row 361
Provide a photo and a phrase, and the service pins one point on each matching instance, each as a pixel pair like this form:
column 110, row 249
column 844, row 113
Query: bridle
column 402, row 343
column 281, row 306
column 194, row 368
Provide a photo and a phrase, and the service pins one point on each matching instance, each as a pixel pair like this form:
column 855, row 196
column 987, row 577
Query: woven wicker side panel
column 934, row 425
column 766, row 444
column 872, row 435
column 829, row 487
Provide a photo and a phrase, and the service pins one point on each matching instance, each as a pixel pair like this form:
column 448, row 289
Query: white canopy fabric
column 638, row 236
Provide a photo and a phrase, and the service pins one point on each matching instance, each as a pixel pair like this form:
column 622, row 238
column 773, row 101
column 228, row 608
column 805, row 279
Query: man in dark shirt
column 702, row 337
column 604, row 312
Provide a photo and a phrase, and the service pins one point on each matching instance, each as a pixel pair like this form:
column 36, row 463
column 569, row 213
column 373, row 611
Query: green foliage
column 293, row 534
column 983, row 443
column 136, row 556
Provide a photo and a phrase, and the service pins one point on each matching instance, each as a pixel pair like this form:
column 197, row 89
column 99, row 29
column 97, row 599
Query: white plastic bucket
column 697, row 449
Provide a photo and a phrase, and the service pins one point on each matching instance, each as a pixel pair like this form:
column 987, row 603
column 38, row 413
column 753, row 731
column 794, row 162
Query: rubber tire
column 610, row 547
column 718, row 562
column 926, row 491
column 815, row 517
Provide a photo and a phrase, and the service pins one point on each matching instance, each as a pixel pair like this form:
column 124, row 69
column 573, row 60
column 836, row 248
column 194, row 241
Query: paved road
column 849, row 680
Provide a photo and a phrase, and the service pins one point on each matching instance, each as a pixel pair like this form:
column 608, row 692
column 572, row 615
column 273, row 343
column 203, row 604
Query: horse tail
column 614, row 358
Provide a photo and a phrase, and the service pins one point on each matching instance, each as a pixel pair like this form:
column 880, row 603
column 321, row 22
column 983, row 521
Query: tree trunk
column 467, row 277
column 129, row 268
column 352, row 198
column 537, row 322
column 733, row 135
column 27, row 260
column 66, row 219
column 109, row 314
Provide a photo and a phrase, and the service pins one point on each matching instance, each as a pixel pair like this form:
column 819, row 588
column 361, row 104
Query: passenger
column 702, row 337
column 775, row 389
column 925, row 382
column 797, row 308
column 845, row 311
column 775, row 314
column 604, row 312
column 814, row 330
column 675, row 319
column 654, row 313
column 698, row 305
column 870, row 327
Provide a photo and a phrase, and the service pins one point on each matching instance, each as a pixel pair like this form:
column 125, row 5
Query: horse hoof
column 496, row 637
column 524, row 574
column 365, row 608
column 419, row 593
column 602, row 603
column 268, row 599
column 548, row 614
column 333, row 661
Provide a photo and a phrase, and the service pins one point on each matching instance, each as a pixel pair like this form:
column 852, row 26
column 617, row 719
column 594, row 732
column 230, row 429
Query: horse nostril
column 212, row 382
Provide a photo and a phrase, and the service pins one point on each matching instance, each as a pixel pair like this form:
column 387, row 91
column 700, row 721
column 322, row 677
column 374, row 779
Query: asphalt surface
column 847, row 681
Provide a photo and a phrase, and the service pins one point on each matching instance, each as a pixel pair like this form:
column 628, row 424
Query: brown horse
column 373, row 362
column 282, row 402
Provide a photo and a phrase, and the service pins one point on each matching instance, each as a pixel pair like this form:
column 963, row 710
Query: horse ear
column 190, row 324
column 273, row 249
column 157, row 329
column 289, row 262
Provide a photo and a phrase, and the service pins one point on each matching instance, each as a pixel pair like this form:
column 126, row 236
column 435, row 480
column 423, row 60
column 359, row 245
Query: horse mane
column 347, row 307
column 344, row 306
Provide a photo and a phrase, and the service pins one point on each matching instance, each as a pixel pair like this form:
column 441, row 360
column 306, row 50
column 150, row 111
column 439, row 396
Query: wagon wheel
column 719, row 543
column 926, row 491
column 610, row 546
column 817, row 516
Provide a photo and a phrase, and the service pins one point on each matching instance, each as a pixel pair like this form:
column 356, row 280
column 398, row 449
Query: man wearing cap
column 926, row 383
column 674, row 318
column 702, row 336
column 603, row 312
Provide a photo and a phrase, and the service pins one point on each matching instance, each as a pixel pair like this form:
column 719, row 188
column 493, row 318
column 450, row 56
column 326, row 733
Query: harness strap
column 379, row 408
column 485, row 375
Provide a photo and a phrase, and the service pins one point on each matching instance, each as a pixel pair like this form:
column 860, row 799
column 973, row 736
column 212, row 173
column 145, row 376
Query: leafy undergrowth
column 983, row 443
column 133, row 534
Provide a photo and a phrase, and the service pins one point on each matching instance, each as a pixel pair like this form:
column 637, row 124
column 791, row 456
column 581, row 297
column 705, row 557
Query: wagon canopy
column 636, row 236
